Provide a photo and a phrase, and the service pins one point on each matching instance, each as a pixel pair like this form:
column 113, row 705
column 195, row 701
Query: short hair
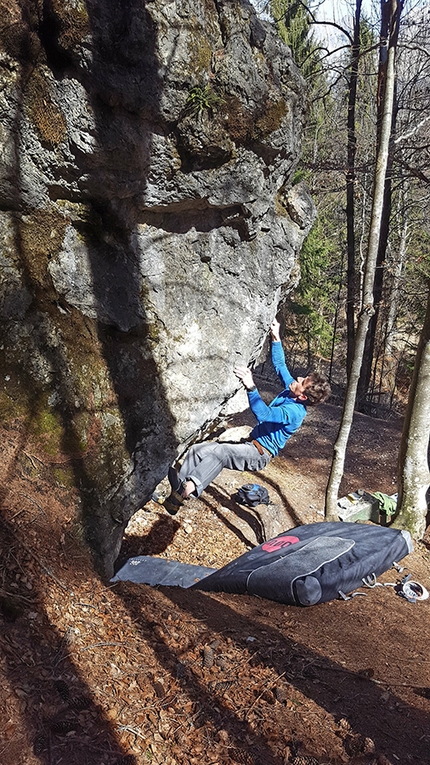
column 318, row 390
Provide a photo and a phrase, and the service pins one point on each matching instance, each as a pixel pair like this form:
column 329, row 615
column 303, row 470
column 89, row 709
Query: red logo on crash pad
column 277, row 544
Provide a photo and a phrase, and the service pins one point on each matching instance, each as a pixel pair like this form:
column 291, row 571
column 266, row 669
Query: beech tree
column 388, row 30
column 367, row 307
column 350, row 184
column 330, row 146
column 413, row 475
column 409, row 153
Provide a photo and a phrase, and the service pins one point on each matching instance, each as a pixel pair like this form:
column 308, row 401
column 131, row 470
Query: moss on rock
column 9, row 408
column 18, row 29
column 42, row 234
column 244, row 125
column 44, row 113
column 272, row 118
column 64, row 476
column 73, row 22
column 240, row 123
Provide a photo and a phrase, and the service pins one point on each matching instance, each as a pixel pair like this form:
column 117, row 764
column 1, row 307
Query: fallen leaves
column 129, row 675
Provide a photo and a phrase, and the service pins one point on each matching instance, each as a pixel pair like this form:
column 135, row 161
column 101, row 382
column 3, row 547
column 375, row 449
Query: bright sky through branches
column 337, row 11
column 340, row 12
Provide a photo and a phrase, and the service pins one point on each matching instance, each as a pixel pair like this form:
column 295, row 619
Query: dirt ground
column 126, row 674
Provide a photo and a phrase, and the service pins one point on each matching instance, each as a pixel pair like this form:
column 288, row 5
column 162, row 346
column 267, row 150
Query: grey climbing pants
column 203, row 462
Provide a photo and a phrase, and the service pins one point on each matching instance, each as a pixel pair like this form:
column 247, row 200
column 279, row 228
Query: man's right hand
column 274, row 329
column 245, row 375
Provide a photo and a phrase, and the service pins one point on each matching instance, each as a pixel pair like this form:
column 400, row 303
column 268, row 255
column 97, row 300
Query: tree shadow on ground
column 245, row 514
column 210, row 707
column 155, row 542
column 331, row 685
column 54, row 699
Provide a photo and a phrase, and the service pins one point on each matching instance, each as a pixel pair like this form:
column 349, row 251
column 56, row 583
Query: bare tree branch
column 413, row 131
column 414, row 171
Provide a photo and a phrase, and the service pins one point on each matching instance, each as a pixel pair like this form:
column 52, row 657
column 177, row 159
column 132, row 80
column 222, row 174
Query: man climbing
column 277, row 421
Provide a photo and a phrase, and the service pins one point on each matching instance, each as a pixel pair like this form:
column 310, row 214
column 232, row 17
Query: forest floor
column 125, row 674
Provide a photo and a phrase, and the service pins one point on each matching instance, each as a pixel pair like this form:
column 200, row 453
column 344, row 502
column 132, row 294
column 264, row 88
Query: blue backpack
column 252, row 494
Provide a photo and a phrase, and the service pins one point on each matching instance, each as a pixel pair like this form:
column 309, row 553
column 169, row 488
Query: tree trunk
column 338, row 462
column 413, row 478
column 398, row 267
column 369, row 349
column 389, row 36
column 350, row 187
column 393, row 297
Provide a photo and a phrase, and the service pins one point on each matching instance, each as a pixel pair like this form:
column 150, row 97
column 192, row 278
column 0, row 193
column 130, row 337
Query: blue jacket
column 281, row 418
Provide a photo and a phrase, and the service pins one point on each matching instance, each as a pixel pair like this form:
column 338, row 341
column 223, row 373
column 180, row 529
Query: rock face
column 149, row 228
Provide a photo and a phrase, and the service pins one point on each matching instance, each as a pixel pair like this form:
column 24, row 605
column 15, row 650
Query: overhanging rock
column 149, row 228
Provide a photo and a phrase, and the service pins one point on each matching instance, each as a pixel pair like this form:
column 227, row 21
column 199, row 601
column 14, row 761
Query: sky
column 336, row 10
column 331, row 10
column 341, row 12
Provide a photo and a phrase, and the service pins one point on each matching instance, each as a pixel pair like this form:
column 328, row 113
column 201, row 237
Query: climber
column 276, row 423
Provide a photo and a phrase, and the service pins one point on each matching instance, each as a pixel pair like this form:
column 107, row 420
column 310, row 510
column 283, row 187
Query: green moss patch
column 42, row 234
column 272, row 118
column 73, row 21
column 65, row 476
column 45, row 115
column 47, row 426
column 9, row 408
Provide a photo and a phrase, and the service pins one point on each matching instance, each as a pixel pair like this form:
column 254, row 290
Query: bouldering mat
column 303, row 566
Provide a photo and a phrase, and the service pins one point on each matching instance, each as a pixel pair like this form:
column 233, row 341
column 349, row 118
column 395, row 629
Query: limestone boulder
column 150, row 228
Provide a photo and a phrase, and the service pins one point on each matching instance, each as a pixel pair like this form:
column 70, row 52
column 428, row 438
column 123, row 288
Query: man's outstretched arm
column 278, row 356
